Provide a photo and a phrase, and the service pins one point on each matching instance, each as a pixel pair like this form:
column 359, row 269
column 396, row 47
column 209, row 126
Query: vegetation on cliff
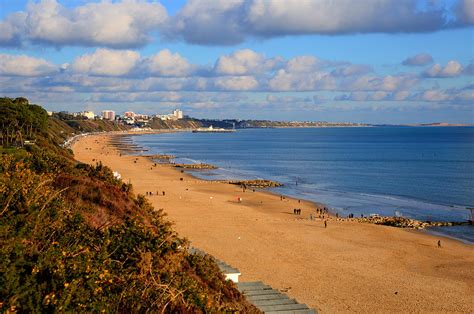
column 75, row 238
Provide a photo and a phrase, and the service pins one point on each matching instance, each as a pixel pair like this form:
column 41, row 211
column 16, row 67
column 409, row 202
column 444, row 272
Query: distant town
column 177, row 119
column 128, row 118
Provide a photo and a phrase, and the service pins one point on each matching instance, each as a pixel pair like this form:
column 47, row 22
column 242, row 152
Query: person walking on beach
column 325, row 224
column 439, row 243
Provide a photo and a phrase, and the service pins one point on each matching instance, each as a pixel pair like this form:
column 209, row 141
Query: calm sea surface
column 424, row 173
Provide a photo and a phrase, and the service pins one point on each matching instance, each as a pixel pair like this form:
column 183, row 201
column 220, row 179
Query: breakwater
column 255, row 183
column 195, row 166
column 402, row 222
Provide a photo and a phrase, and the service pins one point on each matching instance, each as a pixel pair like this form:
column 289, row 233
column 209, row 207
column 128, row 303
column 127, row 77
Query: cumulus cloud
column 295, row 81
column 401, row 95
column 465, row 12
column 388, row 83
column 435, row 95
column 336, row 17
column 303, row 73
column 302, row 64
column 166, row 63
column 228, row 22
column 106, row 62
column 452, row 69
column 134, row 23
column 240, row 62
column 418, row 60
column 352, row 69
column 208, row 22
column 126, row 23
column 164, row 77
column 236, row 83
column 21, row 65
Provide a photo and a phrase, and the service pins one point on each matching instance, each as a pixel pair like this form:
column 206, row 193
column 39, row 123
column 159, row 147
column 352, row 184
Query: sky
column 370, row 61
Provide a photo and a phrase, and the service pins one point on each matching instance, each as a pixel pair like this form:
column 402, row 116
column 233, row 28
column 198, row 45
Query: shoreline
column 347, row 267
column 332, row 212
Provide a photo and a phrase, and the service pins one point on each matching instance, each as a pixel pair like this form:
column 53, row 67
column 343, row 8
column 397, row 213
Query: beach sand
column 347, row 266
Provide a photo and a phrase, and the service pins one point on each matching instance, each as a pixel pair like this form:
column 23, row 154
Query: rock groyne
column 402, row 222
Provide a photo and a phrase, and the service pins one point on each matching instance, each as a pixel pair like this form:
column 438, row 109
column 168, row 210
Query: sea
column 425, row 173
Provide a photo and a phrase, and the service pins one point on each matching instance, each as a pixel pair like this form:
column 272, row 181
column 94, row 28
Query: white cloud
column 126, row 23
column 401, row 95
column 208, row 22
column 452, row 69
column 390, row 83
column 166, row 63
column 226, row 22
column 379, row 95
column 134, row 23
column 236, row 83
column 418, row 60
column 465, row 11
column 335, row 17
column 106, row 62
column 352, row 69
column 434, row 95
column 302, row 64
column 241, row 62
column 21, row 65
column 165, row 77
column 306, row 81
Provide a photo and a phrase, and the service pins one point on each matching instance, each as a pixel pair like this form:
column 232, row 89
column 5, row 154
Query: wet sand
column 347, row 266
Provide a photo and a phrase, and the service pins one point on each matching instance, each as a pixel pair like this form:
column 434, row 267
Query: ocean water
column 426, row 173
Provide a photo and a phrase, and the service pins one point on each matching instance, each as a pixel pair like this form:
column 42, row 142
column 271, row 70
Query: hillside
column 75, row 238
column 177, row 124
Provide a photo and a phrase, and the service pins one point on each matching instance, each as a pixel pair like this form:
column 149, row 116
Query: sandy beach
column 347, row 266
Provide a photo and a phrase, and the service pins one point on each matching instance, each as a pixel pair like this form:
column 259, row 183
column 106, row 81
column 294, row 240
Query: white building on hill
column 108, row 115
column 178, row 114
column 88, row 114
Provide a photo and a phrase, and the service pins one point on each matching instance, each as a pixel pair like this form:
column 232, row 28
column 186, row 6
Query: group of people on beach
column 157, row 193
column 297, row 211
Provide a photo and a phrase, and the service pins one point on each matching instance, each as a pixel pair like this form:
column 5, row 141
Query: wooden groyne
column 255, row 183
column 195, row 166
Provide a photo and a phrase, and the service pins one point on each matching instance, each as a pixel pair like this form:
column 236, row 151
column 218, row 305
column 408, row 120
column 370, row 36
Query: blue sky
column 376, row 61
